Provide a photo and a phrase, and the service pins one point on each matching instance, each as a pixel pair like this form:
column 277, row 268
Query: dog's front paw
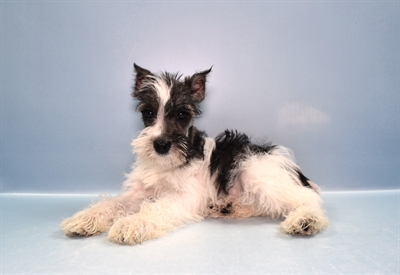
column 304, row 225
column 84, row 224
column 132, row 230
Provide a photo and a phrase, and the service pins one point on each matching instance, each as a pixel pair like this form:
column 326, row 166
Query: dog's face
column 168, row 105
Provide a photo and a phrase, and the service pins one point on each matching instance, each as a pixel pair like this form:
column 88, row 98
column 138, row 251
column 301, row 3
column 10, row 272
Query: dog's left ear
column 197, row 85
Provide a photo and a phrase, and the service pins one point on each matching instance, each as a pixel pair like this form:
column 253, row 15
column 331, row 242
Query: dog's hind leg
column 269, row 184
column 304, row 220
column 98, row 218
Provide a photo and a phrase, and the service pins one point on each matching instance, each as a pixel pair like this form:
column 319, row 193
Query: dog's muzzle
column 162, row 145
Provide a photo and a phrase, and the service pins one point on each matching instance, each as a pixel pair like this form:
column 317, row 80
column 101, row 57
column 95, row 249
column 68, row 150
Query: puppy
column 182, row 176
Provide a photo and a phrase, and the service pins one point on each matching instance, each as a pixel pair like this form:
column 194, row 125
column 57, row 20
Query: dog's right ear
column 141, row 75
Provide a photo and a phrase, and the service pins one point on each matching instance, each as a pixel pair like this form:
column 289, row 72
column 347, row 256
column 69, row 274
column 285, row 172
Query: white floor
column 363, row 238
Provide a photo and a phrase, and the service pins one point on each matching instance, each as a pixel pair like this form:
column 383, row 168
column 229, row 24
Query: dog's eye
column 182, row 115
column 147, row 114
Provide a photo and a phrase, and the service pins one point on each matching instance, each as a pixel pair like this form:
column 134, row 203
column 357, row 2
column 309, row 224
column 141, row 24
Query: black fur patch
column 227, row 209
column 231, row 148
column 148, row 105
column 196, row 140
column 303, row 179
column 181, row 106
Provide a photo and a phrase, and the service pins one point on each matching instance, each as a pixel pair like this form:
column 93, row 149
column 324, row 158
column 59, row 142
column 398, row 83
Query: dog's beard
column 177, row 156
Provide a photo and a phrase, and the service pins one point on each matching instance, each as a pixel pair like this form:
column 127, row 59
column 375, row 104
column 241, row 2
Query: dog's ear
column 197, row 85
column 141, row 75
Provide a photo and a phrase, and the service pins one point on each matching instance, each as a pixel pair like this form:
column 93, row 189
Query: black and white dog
column 181, row 176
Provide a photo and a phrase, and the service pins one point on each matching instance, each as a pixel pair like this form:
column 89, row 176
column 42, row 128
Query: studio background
column 319, row 77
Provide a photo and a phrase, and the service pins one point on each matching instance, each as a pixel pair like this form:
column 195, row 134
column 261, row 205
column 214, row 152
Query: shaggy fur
column 181, row 176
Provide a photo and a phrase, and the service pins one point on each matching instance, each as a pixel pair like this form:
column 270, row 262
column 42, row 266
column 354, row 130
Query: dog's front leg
column 99, row 216
column 155, row 219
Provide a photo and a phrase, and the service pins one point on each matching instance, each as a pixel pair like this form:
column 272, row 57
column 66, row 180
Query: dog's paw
column 128, row 230
column 84, row 224
column 133, row 230
column 306, row 225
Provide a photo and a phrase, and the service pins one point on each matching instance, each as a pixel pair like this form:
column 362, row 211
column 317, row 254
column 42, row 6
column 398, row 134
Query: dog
column 181, row 176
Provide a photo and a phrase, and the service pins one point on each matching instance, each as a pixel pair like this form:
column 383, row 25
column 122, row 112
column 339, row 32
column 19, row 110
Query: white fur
column 156, row 200
column 266, row 183
column 163, row 91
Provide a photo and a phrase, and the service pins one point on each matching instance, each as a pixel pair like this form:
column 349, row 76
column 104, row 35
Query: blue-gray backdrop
column 321, row 77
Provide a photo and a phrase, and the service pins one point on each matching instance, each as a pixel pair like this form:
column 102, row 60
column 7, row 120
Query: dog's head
column 168, row 105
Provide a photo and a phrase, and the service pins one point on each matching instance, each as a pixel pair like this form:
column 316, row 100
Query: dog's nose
column 162, row 145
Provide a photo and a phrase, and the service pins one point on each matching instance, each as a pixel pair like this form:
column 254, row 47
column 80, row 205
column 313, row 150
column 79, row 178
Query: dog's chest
column 179, row 179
